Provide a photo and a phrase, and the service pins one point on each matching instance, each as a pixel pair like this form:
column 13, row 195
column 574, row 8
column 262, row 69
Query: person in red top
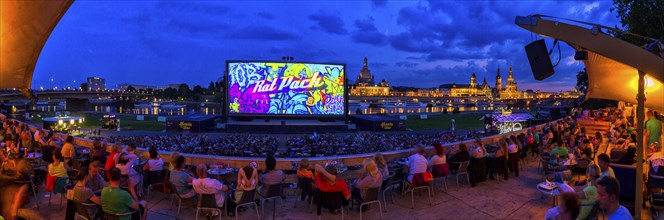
column 110, row 161
column 327, row 181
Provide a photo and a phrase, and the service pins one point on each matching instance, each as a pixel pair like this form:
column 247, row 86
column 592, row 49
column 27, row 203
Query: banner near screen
column 285, row 88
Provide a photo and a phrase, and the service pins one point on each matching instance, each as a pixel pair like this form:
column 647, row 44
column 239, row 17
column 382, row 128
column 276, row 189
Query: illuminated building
column 365, row 78
column 510, row 91
column 472, row 89
column 365, row 86
column 96, row 84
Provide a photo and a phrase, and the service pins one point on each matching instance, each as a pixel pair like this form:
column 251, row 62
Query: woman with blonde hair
column 588, row 196
column 382, row 165
column 372, row 179
column 174, row 156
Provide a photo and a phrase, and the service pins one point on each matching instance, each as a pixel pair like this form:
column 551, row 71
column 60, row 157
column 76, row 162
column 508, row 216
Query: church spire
column 366, row 62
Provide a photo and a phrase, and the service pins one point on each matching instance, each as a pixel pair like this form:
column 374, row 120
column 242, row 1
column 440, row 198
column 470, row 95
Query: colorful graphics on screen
column 285, row 88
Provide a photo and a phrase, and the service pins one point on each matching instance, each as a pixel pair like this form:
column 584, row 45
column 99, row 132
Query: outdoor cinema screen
column 280, row 88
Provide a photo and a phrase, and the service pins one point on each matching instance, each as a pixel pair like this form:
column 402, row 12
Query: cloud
column 329, row 23
column 406, row 64
column 378, row 3
column 263, row 33
column 367, row 33
column 266, row 15
column 379, row 65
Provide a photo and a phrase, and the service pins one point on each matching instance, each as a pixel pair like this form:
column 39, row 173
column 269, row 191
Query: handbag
column 50, row 182
column 428, row 177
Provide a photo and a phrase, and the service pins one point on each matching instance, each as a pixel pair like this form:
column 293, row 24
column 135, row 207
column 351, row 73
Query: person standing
column 653, row 130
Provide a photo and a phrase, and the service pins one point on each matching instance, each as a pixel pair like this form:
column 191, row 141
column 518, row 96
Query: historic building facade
column 366, row 86
column 472, row 89
column 510, row 91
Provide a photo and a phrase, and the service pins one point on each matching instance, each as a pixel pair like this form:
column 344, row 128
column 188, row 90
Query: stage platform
column 286, row 126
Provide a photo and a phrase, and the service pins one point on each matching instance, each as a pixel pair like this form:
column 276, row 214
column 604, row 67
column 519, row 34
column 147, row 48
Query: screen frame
column 227, row 113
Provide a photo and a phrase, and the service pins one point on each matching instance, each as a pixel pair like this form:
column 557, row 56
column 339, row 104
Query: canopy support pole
column 640, row 117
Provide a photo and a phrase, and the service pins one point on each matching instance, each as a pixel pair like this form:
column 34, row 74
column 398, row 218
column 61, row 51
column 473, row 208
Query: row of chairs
column 273, row 192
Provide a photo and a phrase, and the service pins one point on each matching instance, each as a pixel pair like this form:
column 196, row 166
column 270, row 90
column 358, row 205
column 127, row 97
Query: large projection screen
column 266, row 88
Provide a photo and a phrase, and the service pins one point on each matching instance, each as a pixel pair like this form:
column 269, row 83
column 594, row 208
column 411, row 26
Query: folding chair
column 208, row 202
column 371, row 197
column 118, row 216
column 178, row 197
column 247, row 199
column 438, row 172
column 273, row 192
column 418, row 183
column 82, row 210
column 330, row 200
column 462, row 171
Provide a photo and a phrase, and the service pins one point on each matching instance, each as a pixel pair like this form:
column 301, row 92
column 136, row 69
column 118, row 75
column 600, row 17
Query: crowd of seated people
column 557, row 140
column 330, row 145
column 230, row 145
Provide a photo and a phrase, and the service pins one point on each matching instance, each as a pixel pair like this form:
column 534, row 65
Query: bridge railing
column 286, row 163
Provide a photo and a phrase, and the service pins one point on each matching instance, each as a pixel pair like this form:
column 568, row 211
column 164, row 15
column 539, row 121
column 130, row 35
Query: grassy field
column 93, row 120
column 444, row 122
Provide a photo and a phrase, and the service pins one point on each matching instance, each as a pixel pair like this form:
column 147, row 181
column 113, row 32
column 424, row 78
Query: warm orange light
column 651, row 84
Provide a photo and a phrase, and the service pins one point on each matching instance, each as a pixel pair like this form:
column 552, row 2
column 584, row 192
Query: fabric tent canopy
column 612, row 64
column 25, row 26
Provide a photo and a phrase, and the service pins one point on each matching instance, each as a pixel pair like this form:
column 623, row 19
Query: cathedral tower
column 499, row 81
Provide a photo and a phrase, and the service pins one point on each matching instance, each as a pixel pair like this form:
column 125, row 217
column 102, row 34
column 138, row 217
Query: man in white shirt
column 608, row 191
column 205, row 185
column 417, row 162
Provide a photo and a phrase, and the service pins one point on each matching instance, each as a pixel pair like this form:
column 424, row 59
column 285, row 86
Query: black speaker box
column 540, row 63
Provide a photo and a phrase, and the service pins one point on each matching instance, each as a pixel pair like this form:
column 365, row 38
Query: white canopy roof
column 612, row 63
column 25, row 26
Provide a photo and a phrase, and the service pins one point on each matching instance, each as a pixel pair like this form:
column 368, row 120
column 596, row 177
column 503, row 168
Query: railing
column 286, row 163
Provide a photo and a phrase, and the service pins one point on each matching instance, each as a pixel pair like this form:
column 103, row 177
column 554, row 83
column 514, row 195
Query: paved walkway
column 515, row 198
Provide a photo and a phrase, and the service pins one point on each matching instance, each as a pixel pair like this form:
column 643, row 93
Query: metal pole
column 640, row 115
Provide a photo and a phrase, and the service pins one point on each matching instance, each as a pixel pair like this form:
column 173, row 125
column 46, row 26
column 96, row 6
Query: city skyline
column 409, row 43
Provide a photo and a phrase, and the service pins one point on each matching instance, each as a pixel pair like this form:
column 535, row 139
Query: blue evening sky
column 408, row 43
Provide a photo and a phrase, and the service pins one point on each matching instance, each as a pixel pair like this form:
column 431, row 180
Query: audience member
column 653, row 130
column 205, row 185
column 567, row 210
column 372, row 179
column 608, row 191
column 604, row 161
column 588, row 196
column 95, row 181
column 461, row 156
column 417, row 163
column 304, row 172
column 327, row 181
column 382, row 165
column 83, row 194
column 68, row 150
column 272, row 176
column 114, row 200
column 182, row 179
column 110, row 161
column 98, row 151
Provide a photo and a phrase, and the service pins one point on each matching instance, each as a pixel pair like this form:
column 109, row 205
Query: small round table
column 222, row 174
column 554, row 193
